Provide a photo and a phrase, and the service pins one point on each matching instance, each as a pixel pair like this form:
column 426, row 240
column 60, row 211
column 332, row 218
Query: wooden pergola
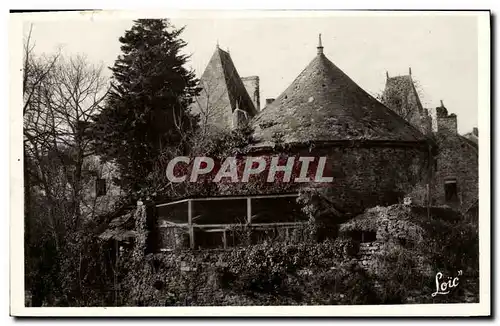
column 193, row 218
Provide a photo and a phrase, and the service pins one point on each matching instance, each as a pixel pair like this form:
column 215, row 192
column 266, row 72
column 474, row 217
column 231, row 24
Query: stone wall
column 93, row 205
column 447, row 124
column 366, row 253
column 442, row 121
column 254, row 275
column 457, row 160
column 363, row 176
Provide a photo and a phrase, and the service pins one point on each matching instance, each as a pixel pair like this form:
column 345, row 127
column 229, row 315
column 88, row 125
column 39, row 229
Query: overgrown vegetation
column 265, row 274
column 318, row 272
column 146, row 115
column 416, row 244
column 75, row 124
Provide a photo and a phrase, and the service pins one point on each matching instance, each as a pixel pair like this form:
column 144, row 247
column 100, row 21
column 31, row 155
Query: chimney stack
column 252, row 85
column 475, row 131
column 269, row 101
column 445, row 122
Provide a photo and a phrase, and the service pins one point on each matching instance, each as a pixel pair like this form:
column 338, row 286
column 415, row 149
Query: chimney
column 441, row 111
column 252, row 85
column 269, row 101
column 475, row 131
column 445, row 122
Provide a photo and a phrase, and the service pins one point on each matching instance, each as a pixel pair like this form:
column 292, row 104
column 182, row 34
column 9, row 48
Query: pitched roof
column 472, row 138
column 324, row 104
column 120, row 228
column 222, row 89
column 401, row 96
column 404, row 88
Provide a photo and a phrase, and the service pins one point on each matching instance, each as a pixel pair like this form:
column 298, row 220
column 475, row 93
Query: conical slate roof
column 324, row 104
column 222, row 91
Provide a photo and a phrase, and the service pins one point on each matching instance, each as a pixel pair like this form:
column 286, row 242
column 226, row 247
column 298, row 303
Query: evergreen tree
column 146, row 116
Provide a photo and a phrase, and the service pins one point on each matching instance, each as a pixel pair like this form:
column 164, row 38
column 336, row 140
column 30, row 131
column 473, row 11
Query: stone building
column 377, row 155
column 401, row 96
column 374, row 155
column 226, row 100
column 324, row 109
column 455, row 180
column 473, row 135
column 456, row 167
column 100, row 193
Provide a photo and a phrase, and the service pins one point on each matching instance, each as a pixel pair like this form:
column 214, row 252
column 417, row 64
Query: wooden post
column 249, row 220
column 224, row 239
column 249, row 210
column 190, row 223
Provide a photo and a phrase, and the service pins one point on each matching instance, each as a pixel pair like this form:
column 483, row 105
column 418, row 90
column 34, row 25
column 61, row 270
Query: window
column 450, row 190
column 368, row 236
column 364, row 236
column 100, row 187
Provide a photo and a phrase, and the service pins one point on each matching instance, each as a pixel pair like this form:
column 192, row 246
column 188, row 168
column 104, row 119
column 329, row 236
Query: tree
column 60, row 97
column 56, row 121
column 146, row 119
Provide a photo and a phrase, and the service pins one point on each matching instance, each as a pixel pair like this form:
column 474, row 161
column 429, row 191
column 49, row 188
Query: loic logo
column 444, row 287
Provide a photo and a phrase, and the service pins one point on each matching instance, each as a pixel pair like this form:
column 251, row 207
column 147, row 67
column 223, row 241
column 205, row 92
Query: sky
column 442, row 51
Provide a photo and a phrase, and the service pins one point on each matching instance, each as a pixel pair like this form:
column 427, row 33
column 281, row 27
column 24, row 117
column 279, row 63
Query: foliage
column 415, row 246
column 146, row 115
column 61, row 95
column 308, row 272
column 269, row 273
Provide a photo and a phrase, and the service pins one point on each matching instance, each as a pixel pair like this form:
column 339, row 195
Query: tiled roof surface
column 471, row 137
column 236, row 89
column 324, row 104
column 222, row 90
column 404, row 87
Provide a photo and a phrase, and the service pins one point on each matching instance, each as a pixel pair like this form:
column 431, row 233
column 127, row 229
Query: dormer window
column 450, row 190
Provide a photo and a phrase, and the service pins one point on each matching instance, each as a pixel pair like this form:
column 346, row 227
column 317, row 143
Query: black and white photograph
column 326, row 163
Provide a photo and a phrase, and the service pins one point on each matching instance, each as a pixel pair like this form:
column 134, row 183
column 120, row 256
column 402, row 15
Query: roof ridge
column 222, row 90
column 232, row 78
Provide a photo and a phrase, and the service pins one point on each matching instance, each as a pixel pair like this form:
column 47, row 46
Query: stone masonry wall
column 363, row 177
column 447, row 124
column 366, row 252
column 93, row 205
column 458, row 160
